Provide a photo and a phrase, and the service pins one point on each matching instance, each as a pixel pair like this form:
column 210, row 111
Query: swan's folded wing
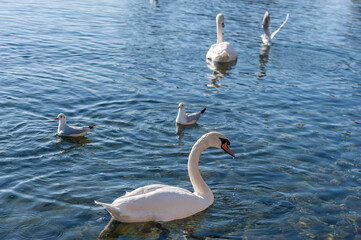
column 159, row 201
column 284, row 22
column 141, row 190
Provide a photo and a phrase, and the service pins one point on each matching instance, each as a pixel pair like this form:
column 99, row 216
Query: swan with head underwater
column 162, row 203
column 266, row 25
column 222, row 52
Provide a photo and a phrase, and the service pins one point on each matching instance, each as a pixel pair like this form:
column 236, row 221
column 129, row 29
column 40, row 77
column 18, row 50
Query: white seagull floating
column 266, row 25
column 69, row 131
column 221, row 51
column 162, row 203
column 187, row 118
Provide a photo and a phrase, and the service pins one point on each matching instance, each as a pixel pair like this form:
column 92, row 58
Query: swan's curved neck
column 200, row 187
column 219, row 32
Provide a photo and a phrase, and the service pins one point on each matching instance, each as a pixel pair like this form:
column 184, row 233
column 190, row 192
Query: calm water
column 292, row 114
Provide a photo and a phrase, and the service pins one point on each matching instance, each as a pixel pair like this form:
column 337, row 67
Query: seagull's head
column 181, row 106
column 60, row 117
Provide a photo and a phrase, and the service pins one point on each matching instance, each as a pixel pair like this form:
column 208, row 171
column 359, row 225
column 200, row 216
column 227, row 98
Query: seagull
column 69, row 131
column 187, row 118
column 266, row 25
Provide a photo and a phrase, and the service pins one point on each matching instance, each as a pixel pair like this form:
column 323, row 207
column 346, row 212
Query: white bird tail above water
column 115, row 212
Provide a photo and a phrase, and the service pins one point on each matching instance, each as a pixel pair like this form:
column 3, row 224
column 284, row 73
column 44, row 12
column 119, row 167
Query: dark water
column 292, row 114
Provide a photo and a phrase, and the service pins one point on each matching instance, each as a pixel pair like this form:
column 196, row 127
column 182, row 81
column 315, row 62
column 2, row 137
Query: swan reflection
column 182, row 228
column 219, row 71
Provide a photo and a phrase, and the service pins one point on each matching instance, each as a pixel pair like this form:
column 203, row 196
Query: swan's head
column 220, row 20
column 181, row 106
column 218, row 140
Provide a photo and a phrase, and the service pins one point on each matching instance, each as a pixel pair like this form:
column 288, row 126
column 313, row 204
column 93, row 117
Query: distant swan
column 221, row 51
column 266, row 25
column 162, row 203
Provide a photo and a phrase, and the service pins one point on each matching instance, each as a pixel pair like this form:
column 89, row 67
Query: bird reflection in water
column 153, row 3
column 263, row 60
column 72, row 142
column 147, row 230
column 219, row 71
column 179, row 129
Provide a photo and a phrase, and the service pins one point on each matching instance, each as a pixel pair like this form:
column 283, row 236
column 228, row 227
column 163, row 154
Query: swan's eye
column 225, row 140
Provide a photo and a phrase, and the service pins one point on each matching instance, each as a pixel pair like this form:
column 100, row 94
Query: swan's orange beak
column 226, row 148
column 56, row 118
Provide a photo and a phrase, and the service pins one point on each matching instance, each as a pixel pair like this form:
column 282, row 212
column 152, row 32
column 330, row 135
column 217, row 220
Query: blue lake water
column 291, row 113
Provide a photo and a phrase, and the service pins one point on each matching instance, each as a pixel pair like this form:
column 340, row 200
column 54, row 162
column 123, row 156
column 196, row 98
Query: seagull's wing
column 193, row 117
column 70, row 130
column 284, row 22
column 266, row 25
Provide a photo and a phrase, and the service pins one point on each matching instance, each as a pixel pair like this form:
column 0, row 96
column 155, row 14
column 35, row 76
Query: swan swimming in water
column 162, row 203
column 266, row 25
column 221, row 51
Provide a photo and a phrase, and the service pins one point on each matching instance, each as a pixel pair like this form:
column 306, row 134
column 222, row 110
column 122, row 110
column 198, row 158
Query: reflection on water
column 180, row 129
column 182, row 228
column 153, row 3
column 263, row 60
column 115, row 229
column 219, row 71
column 69, row 143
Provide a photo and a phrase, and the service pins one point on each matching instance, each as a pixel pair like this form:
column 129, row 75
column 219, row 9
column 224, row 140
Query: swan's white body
column 163, row 203
column 187, row 118
column 70, row 131
column 266, row 25
column 221, row 51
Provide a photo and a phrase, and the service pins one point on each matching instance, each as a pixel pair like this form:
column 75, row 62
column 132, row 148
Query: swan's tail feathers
column 284, row 22
column 115, row 212
column 204, row 109
column 223, row 57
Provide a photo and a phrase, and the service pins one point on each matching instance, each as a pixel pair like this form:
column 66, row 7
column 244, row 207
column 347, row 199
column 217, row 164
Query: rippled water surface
column 291, row 112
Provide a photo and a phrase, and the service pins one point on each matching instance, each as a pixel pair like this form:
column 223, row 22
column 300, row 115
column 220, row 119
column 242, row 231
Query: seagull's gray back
column 69, row 130
column 191, row 117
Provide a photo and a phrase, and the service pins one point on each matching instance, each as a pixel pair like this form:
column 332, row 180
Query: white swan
column 70, row 131
column 266, row 25
column 162, row 203
column 221, row 51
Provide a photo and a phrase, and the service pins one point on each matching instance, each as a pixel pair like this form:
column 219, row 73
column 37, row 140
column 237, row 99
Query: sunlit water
column 291, row 112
